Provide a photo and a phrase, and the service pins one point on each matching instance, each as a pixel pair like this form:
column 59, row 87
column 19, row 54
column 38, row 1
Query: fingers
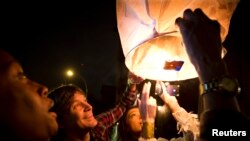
column 152, row 108
column 190, row 17
column 147, row 104
column 146, row 91
column 201, row 15
column 163, row 85
column 138, row 102
column 181, row 23
column 186, row 22
column 187, row 16
column 152, row 101
column 158, row 88
column 164, row 95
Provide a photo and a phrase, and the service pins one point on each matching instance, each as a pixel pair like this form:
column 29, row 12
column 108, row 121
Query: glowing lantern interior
column 150, row 38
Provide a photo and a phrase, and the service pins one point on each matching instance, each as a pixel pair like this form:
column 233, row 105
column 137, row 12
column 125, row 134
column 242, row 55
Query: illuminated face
column 80, row 114
column 24, row 105
column 134, row 121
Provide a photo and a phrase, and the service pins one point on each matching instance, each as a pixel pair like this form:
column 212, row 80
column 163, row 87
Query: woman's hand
column 147, row 104
column 170, row 101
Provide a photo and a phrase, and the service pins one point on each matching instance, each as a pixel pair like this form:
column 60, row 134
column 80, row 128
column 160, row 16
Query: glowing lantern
column 150, row 40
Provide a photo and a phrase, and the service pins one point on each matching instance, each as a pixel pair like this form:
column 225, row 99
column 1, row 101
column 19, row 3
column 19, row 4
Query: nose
column 42, row 90
column 88, row 107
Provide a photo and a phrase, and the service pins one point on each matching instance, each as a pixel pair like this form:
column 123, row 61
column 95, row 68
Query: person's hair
column 62, row 96
column 6, row 60
column 123, row 132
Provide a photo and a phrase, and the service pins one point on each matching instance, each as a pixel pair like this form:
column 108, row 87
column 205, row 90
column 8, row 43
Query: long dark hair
column 123, row 132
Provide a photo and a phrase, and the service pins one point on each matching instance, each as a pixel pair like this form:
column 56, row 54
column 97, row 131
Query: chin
column 92, row 123
column 95, row 122
column 54, row 129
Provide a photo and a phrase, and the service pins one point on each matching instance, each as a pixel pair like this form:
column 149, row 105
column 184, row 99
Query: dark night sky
column 49, row 38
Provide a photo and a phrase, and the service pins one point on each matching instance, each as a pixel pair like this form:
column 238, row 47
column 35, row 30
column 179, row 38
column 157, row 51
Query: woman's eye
column 21, row 76
column 78, row 106
column 132, row 115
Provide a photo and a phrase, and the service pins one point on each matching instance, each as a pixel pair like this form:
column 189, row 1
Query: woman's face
column 24, row 105
column 134, row 121
column 80, row 114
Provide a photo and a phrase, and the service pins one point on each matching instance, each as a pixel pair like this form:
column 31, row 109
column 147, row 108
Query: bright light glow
column 69, row 73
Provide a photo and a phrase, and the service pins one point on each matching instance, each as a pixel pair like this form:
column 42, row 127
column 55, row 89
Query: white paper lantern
column 150, row 39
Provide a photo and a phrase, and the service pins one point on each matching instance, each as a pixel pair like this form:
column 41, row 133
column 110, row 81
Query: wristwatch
column 226, row 85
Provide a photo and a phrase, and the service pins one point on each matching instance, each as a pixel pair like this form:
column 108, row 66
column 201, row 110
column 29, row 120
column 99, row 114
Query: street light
column 70, row 73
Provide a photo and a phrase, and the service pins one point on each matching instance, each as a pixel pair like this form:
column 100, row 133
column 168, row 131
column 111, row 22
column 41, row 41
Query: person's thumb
column 138, row 101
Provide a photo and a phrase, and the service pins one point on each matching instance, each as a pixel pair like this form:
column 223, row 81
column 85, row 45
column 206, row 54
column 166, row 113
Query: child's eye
column 132, row 115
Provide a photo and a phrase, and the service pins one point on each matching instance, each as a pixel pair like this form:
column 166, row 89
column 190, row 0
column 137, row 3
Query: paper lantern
column 151, row 42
